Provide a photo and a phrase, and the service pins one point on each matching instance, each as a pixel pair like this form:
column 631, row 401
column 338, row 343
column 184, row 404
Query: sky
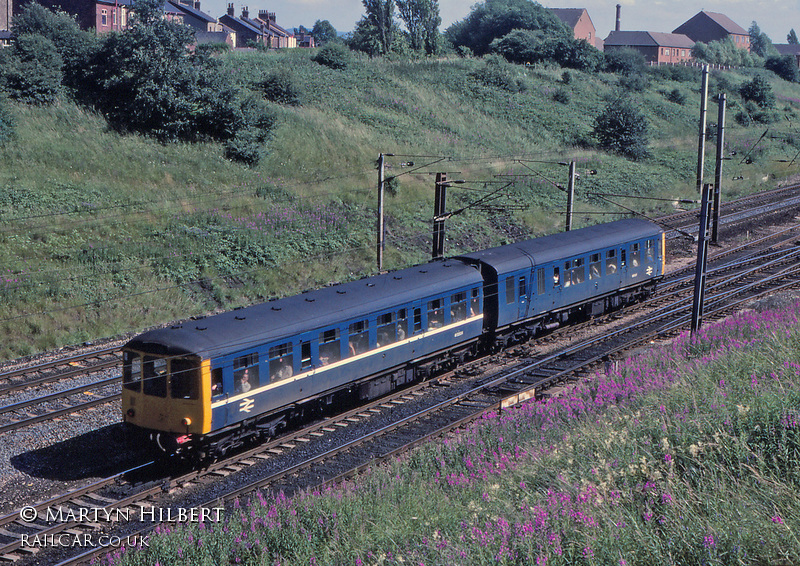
column 775, row 17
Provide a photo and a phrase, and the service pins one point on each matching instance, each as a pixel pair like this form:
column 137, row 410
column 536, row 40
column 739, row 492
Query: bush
column 677, row 73
column 6, row 123
column 561, row 96
column 759, row 91
column 30, row 70
column 497, row 73
column 279, row 87
column 248, row 144
column 333, row 55
column 625, row 61
column 676, row 96
column 622, row 129
column 566, row 77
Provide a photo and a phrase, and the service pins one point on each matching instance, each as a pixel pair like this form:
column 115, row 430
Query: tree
column 73, row 44
column 622, row 128
column 494, row 19
column 145, row 79
column 422, row 21
column 30, row 70
column 380, row 15
column 324, row 32
column 760, row 43
column 791, row 39
column 784, row 66
column 725, row 52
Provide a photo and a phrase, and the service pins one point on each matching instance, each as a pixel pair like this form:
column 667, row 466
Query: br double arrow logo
column 246, row 405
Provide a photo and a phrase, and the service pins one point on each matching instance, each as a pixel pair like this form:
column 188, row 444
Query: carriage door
column 635, row 262
column 523, row 297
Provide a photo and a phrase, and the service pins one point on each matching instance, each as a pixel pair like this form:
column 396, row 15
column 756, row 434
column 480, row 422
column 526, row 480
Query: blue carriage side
column 264, row 362
column 538, row 284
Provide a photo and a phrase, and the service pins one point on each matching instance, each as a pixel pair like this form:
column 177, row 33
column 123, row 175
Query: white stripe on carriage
column 348, row 360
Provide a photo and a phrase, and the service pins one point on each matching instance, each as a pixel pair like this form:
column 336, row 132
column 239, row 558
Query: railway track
column 319, row 453
column 470, row 394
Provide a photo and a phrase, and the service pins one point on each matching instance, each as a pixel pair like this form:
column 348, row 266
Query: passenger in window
column 216, row 385
column 244, row 383
column 283, row 370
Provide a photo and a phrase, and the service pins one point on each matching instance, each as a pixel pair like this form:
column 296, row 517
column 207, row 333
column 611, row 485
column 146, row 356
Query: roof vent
column 398, row 277
column 423, row 271
column 237, row 317
column 276, row 308
column 201, row 328
column 176, row 326
column 340, row 292
column 309, row 300
column 370, row 284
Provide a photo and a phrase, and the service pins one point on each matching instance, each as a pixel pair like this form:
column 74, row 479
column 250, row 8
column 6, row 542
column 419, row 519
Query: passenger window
column 359, row 337
column 402, row 324
column 611, row 262
column 131, row 371
column 386, row 329
column 567, row 280
column 540, row 281
column 458, row 307
column 594, row 266
column 522, row 290
column 280, row 362
column 154, row 376
column 510, row 290
column 556, row 277
column 622, row 258
column 635, row 255
column 475, row 303
column 578, row 271
column 305, row 355
column 245, row 373
column 184, row 379
column 650, row 250
column 330, row 349
column 435, row 313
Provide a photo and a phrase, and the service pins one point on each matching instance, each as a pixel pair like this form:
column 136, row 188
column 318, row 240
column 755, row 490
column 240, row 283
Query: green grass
column 686, row 454
column 95, row 222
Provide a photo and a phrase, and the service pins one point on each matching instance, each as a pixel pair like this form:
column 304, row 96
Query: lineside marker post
column 380, row 241
column 702, row 260
column 439, row 216
column 570, row 195
column 701, row 146
column 718, row 169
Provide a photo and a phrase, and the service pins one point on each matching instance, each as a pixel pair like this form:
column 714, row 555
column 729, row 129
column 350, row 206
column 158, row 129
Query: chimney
column 619, row 9
column 230, row 9
column 245, row 12
column 262, row 15
column 197, row 5
column 271, row 17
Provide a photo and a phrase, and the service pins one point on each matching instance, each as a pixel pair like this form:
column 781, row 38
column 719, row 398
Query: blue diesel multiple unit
column 203, row 386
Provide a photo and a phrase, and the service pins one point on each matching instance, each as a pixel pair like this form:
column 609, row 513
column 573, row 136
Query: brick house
column 656, row 47
column 578, row 20
column 279, row 38
column 247, row 30
column 711, row 26
column 101, row 15
column 206, row 28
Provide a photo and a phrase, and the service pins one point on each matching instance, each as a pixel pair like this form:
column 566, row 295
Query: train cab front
column 166, row 400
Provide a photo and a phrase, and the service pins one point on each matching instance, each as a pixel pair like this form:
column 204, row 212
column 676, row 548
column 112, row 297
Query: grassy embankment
column 104, row 233
column 686, row 454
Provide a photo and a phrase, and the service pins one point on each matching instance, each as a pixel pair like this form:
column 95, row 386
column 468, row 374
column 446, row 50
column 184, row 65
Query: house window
column 104, row 17
column 113, row 17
